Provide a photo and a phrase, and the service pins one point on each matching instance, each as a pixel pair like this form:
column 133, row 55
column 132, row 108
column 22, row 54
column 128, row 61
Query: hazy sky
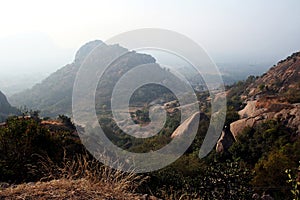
column 45, row 35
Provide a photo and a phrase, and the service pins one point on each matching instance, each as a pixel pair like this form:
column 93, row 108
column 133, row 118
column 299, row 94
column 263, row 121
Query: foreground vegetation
column 49, row 153
column 32, row 151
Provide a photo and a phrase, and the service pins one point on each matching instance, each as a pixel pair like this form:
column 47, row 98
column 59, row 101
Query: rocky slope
column 275, row 95
column 279, row 79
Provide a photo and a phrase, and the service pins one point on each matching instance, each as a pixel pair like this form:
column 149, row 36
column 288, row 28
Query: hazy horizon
column 41, row 37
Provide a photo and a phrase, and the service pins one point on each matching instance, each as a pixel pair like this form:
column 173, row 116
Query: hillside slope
column 279, row 79
column 275, row 95
column 5, row 108
column 53, row 96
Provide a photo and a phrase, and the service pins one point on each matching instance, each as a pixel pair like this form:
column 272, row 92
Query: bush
column 270, row 175
column 254, row 143
column 217, row 180
column 23, row 141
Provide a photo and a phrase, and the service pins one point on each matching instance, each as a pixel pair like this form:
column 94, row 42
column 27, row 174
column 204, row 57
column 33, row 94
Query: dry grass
column 80, row 178
column 66, row 189
column 94, row 171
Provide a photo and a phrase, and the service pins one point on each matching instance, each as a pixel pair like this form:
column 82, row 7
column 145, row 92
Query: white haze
column 39, row 37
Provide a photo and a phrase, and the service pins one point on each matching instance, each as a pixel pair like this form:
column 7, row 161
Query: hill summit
column 53, row 96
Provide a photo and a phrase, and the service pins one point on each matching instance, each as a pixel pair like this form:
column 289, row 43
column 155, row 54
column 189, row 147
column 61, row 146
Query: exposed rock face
column 269, row 97
column 188, row 126
column 249, row 110
column 289, row 114
column 279, row 78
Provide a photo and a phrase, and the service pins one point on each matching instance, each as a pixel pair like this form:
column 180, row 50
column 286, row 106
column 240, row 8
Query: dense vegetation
column 24, row 142
column 269, row 149
column 256, row 163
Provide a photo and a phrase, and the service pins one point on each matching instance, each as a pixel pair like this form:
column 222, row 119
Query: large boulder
column 256, row 112
column 188, row 126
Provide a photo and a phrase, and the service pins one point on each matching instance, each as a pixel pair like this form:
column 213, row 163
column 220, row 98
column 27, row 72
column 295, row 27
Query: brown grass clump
column 80, row 178
column 66, row 189
column 83, row 166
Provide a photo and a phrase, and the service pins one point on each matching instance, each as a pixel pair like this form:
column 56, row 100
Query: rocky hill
column 5, row 108
column 280, row 78
column 53, row 96
column 274, row 95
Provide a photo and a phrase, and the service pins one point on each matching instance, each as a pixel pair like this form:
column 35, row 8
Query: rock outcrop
column 278, row 79
column 275, row 95
column 190, row 125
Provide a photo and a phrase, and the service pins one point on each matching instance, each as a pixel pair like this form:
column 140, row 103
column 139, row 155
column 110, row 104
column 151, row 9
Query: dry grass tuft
column 80, row 178
column 94, row 171
column 66, row 189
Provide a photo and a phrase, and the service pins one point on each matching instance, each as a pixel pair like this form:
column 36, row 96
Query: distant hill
column 5, row 108
column 53, row 96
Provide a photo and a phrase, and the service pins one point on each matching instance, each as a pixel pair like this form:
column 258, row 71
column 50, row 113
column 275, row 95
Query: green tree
column 270, row 175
